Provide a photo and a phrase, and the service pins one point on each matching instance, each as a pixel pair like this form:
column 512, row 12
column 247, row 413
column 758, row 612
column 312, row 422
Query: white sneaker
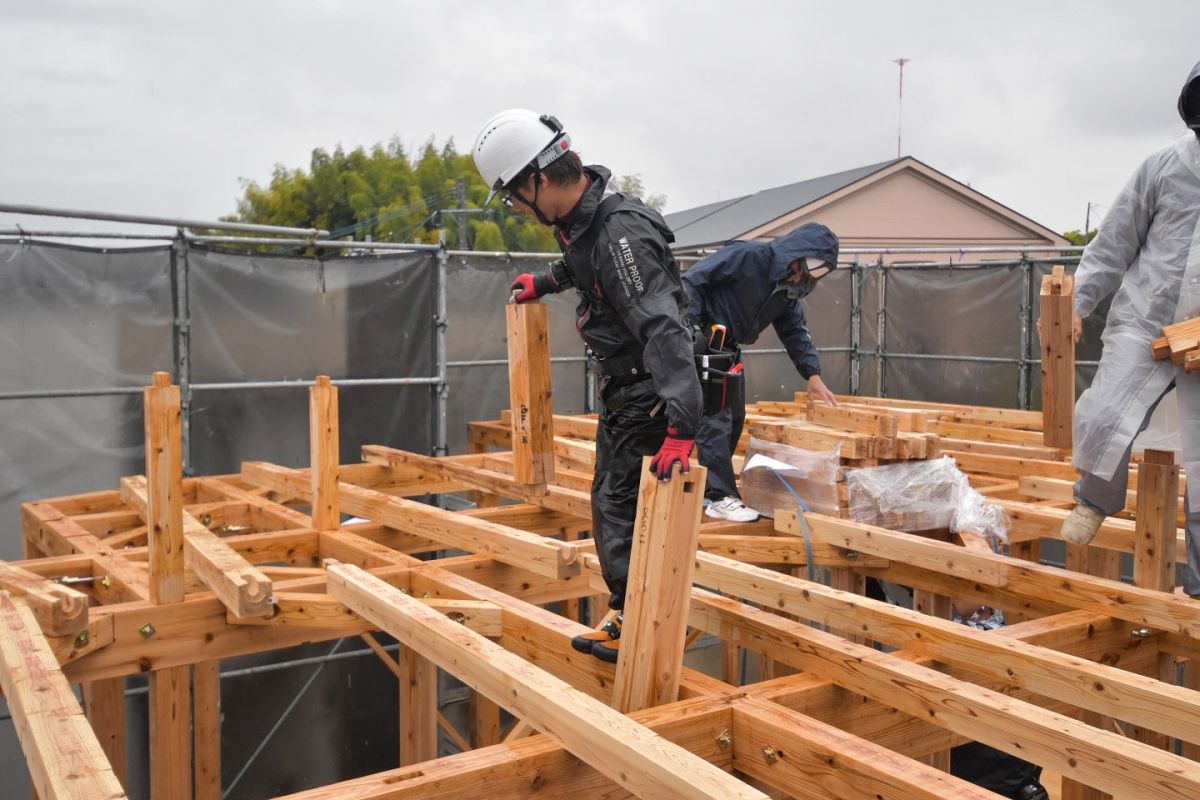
column 732, row 509
column 1081, row 524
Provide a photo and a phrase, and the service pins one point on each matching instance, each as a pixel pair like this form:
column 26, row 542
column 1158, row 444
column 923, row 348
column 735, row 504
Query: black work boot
column 1032, row 791
column 607, row 632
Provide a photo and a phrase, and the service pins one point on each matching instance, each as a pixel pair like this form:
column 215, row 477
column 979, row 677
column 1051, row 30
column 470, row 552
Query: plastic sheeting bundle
column 922, row 495
column 778, row 475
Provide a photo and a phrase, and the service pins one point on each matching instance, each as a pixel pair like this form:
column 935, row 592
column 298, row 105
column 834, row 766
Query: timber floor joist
column 845, row 696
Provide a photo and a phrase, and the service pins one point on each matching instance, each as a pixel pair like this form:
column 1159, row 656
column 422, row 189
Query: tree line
column 385, row 195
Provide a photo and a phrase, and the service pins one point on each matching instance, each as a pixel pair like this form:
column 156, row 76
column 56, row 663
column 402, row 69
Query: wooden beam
column 529, row 392
column 782, row 550
column 810, row 759
column 1061, row 744
column 1050, row 584
column 244, row 590
column 64, row 758
column 323, row 452
column 537, row 766
column 1156, row 705
column 555, row 498
column 59, row 610
column 318, row 610
column 511, row 545
column 636, row 758
column 665, row 533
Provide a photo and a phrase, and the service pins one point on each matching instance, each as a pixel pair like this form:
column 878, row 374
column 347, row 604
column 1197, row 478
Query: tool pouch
column 719, row 388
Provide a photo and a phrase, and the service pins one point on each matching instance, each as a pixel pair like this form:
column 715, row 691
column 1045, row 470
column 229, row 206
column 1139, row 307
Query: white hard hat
column 513, row 140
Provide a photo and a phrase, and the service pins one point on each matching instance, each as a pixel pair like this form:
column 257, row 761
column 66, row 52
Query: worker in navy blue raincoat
column 745, row 287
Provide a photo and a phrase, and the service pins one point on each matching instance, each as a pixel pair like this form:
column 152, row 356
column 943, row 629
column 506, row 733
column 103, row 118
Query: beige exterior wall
column 908, row 210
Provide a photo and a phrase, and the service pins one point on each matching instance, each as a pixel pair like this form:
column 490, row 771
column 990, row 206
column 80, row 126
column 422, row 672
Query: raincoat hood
column 1189, row 100
column 811, row 240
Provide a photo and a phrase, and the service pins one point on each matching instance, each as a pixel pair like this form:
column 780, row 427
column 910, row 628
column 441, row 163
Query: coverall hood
column 810, row 240
column 1189, row 100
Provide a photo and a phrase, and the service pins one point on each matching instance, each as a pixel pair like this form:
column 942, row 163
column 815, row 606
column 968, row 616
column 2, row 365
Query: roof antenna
column 900, row 105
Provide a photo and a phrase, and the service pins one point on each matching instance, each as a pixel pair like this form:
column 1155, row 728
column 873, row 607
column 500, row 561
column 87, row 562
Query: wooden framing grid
column 847, row 697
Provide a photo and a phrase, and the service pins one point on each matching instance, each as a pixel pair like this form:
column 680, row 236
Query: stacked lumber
column 1181, row 343
column 862, row 436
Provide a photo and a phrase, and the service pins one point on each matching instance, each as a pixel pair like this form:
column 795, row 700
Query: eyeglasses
column 819, row 272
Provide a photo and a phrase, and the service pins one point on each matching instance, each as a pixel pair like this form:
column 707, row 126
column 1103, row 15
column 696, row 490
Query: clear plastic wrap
column 774, row 475
column 922, row 495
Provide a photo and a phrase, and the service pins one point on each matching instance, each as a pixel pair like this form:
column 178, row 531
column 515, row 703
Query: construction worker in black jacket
column 736, row 293
column 631, row 315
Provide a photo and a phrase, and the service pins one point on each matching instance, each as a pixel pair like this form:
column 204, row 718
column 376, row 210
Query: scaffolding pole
column 143, row 219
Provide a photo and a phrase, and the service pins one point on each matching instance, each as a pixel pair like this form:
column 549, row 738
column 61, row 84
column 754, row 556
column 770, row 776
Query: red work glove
column 528, row 287
column 674, row 448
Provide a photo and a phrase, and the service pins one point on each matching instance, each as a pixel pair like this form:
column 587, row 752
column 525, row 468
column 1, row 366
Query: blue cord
column 808, row 548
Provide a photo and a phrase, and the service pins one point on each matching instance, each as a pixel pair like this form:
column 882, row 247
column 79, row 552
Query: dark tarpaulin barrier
column 75, row 319
column 959, row 312
column 477, row 289
column 276, row 318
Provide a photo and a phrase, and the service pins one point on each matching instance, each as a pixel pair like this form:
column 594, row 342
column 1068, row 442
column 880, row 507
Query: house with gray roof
column 898, row 203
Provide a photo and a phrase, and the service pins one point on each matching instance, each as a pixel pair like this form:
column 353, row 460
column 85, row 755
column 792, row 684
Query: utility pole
column 900, row 105
column 460, row 191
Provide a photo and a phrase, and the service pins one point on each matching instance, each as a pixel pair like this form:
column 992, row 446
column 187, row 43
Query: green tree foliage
column 388, row 196
column 1077, row 238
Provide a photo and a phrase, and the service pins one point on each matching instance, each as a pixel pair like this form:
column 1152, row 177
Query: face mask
column 802, row 288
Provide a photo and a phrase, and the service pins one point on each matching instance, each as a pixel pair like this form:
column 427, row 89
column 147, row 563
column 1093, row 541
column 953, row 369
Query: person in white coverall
column 1148, row 252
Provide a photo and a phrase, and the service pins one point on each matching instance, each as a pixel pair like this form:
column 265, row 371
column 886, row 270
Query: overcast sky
column 162, row 107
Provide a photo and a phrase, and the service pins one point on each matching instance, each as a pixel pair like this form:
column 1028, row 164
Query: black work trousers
column 626, row 434
column 715, row 443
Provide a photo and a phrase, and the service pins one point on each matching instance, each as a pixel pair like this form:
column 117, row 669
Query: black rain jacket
column 632, row 302
column 741, row 286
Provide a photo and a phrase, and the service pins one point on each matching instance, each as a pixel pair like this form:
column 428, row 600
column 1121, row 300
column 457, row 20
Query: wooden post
column 323, row 451
column 104, row 704
column 206, row 678
column 1101, row 563
column 848, row 581
column 935, row 605
column 164, row 477
column 1058, row 358
column 529, row 392
column 485, row 721
column 1154, row 547
column 418, row 708
column 170, row 689
column 666, row 532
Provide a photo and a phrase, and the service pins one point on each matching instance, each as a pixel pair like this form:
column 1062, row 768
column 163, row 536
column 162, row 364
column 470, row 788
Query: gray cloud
column 161, row 108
